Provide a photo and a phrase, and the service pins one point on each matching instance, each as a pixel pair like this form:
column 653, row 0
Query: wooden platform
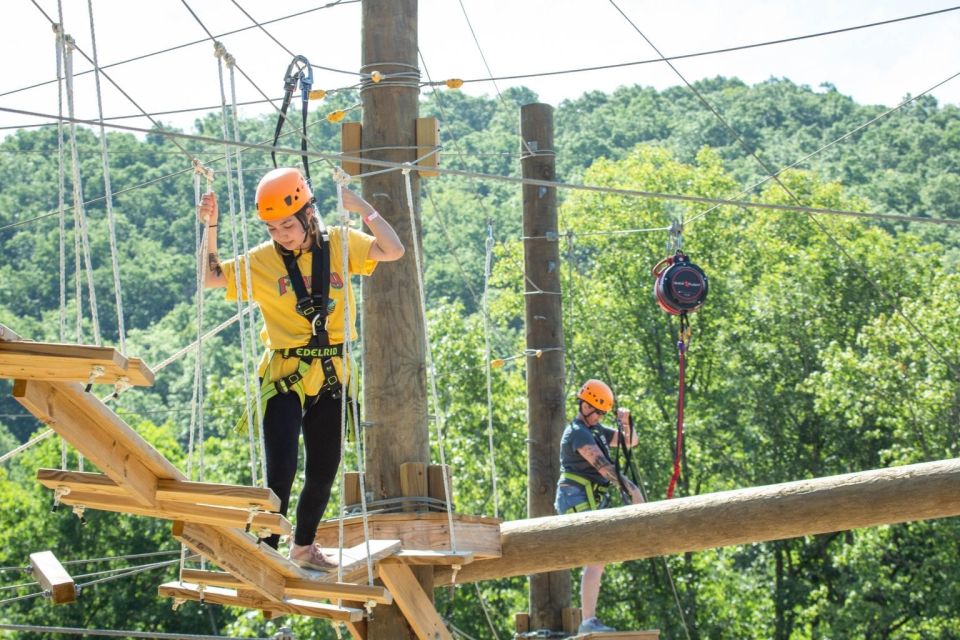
column 477, row 535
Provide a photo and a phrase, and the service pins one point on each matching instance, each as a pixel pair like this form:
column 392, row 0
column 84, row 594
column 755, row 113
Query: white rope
column 231, row 64
column 247, row 361
column 341, row 179
column 61, row 184
column 78, row 212
column 108, row 193
column 431, row 373
column 488, row 366
column 61, row 207
column 36, row 439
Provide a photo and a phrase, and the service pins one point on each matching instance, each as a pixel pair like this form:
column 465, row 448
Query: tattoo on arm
column 213, row 264
column 595, row 457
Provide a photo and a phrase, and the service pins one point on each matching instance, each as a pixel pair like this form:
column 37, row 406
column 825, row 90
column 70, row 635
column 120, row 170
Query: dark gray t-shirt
column 576, row 435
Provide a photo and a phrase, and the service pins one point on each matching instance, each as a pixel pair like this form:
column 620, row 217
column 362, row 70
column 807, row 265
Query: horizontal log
column 759, row 514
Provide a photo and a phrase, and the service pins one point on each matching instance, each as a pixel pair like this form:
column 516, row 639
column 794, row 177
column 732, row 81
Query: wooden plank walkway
column 216, row 521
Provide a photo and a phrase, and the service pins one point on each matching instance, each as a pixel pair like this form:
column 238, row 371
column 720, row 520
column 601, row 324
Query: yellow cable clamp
column 317, row 94
column 454, row 83
column 336, row 116
column 376, row 76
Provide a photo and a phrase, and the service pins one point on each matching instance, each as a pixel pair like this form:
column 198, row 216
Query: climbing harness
column 680, row 287
column 598, row 496
column 299, row 71
column 314, row 308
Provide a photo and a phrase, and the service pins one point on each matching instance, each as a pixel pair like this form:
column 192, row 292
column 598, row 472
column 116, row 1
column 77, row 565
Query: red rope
column 681, row 352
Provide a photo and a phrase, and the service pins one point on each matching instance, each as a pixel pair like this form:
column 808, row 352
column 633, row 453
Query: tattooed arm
column 592, row 454
column 207, row 213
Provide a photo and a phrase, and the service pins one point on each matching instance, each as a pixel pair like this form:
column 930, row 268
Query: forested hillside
column 827, row 345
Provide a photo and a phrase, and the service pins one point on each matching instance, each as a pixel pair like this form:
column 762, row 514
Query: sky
column 879, row 65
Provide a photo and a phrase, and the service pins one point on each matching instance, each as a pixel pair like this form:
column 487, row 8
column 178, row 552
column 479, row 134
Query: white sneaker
column 592, row 625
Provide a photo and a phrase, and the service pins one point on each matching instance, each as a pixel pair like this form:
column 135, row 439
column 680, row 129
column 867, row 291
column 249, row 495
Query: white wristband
column 372, row 216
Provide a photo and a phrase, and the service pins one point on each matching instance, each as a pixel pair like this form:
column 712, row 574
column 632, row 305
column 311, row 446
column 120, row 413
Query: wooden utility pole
column 395, row 400
column 745, row 516
column 549, row 592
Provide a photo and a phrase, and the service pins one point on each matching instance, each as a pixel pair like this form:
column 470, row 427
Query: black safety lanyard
column 299, row 70
column 312, row 306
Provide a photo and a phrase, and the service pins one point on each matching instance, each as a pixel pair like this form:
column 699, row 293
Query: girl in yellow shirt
column 301, row 320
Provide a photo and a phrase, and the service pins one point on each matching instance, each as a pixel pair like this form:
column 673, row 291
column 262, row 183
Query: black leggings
column 282, row 422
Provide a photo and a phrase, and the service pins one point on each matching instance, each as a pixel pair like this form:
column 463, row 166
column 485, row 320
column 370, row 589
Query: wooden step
column 54, row 362
column 52, row 577
column 208, row 493
column 262, row 521
column 288, row 606
column 354, row 563
column 297, row 587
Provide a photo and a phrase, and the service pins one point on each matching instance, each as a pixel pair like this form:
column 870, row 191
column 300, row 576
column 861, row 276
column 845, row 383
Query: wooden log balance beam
column 759, row 514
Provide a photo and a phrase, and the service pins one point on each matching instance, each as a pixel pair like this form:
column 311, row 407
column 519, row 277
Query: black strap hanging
column 298, row 71
column 313, row 306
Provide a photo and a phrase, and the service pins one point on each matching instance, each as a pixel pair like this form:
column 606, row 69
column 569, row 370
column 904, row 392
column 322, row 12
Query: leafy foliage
column 827, row 345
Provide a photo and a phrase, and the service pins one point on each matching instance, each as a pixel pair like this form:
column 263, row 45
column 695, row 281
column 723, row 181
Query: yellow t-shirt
column 283, row 327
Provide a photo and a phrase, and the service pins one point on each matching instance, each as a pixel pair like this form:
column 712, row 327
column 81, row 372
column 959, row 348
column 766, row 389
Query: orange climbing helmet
column 596, row 394
column 282, row 193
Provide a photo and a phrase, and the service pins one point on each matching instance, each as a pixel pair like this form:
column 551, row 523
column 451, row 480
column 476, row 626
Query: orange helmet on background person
column 282, row 193
column 596, row 394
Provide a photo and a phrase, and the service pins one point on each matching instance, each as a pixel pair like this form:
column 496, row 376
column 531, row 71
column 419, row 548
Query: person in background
column 588, row 473
column 297, row 282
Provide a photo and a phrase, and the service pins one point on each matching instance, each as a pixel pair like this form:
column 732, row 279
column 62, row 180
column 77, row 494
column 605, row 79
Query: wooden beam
column 223, row 495
column 413, row 602
column 52, row 577
column 208, row 493
column 413, row 482
column 428, row 557
column 230, row 597
column 296, row 587
column 745, row 516
column 242, row 557
column 70, row 363
column 435, row 482
column 196, row 513
column 428, row 139
column 95, row 432
column 351, row 135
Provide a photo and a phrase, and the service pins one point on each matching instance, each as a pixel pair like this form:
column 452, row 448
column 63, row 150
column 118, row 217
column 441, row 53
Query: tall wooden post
column 549, row 592
column 395, row 400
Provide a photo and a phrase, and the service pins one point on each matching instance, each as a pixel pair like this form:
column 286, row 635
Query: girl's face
column 288, row 233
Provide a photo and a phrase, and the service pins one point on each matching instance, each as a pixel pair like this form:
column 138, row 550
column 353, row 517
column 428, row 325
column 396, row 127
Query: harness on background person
column 598, row 494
